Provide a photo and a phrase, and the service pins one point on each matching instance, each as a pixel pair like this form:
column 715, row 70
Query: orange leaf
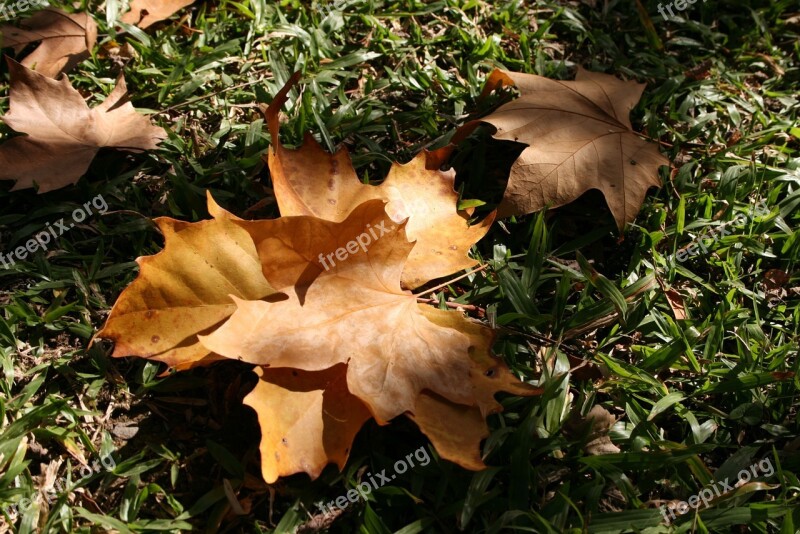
column 455, row 430
column 354, row 313
column 310, row 181
column 183, row 291
column 338, row 345
column 307, row 419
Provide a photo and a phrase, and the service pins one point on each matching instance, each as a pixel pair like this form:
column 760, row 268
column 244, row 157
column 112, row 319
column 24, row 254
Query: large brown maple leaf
column 354, row 313
column 334, row 346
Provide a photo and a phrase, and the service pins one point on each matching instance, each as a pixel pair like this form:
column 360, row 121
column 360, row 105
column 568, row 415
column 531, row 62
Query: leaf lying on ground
column 338, row 346
column 63, row 134
column 353, row 313
column 594, row 428
column 307, row 419
column 185, row 290
column 579, row 137
column 145, row 13
column 310, row 181
column 66, row 40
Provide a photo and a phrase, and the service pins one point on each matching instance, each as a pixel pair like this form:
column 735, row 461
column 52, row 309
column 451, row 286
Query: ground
column 694, row 399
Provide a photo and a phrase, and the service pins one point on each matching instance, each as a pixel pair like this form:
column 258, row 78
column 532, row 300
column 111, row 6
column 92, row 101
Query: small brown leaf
column 676, row 304
column 596, row 425
column 66, row 40
column 775, row 278
column 307, row 419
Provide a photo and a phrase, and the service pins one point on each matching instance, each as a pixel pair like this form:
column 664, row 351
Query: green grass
column 696, row 399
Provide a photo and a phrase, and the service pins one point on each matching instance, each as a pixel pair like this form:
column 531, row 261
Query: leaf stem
column 440, row 286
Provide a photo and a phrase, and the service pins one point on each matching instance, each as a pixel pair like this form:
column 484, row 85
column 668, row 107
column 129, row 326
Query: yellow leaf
column 185, row 290
column 307, row 419
column 310, row 181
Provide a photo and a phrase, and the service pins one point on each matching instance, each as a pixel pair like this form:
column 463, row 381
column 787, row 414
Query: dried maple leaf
column 145, row 13
column 342, row 344
column 310, row 181
column 66, row 40
column 63, row 134
column 185, row 290
column 353, row 313
column 455, row 430
column 307, row 419
column 579, row 137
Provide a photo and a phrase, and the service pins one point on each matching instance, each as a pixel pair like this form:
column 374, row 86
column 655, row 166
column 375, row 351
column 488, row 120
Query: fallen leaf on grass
column 66, row 39
column 310, row 181
column 579, row 137
column 307, row 419
column 354, row 313
column 595, row 426
column 145, row 13
column 349, row 335
column 185, row 290
column 320, row 310
column 455, row 430
column 676, row 304
column 63, row 133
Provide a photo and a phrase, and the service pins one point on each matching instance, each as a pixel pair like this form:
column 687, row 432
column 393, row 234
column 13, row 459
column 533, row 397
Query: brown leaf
column 488, row 374
column 341, row 344
column 145, row 13
column 675, row 301
column 183, row 291
column 307, row 419
column 776, row 279
column 310, row 181
column 455, row 430
column 596, row 426
column 354, row 313
column 63, row 134
column 66, row 40
column 579, row 137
